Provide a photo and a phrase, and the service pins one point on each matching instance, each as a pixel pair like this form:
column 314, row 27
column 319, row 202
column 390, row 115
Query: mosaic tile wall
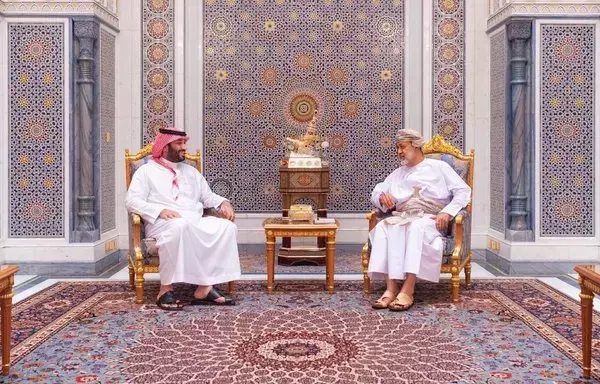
column 158, row 72
column 107, row 131
column 567, row 73
column 269, row 64
column 36, row 130
column 448, row 70
column 498, row 52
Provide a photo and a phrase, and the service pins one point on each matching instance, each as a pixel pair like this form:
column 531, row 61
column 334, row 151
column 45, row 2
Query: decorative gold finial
column 306, row 150
column 305, row 145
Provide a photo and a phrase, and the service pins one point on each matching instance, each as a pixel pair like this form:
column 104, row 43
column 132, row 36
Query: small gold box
column 301, row 212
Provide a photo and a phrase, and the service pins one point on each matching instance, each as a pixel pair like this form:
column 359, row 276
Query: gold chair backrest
column 133, row 162
column 437, row 145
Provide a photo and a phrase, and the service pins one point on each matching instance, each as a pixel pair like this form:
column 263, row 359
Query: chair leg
column 131, row 275
column 468, row 274
column 455, row 284
column 230, row 287
column 365, row 267
column 139, row 282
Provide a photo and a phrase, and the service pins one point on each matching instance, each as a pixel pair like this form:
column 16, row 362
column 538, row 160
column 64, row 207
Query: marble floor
column 27, row 285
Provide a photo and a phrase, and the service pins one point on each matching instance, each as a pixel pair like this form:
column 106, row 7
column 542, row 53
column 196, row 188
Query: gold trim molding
column 299, row 233
column 591, row 285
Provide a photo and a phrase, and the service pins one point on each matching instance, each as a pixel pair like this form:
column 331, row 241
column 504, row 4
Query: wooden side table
column 589, row 280
column 282, row 227
column 297, row 185
column 7, row 280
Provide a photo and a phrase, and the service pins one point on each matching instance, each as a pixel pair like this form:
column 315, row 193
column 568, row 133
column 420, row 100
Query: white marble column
column 86, row 32
column 519, row 35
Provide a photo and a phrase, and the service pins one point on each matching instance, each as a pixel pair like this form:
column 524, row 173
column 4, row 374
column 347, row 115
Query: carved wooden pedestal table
column 7, row 280
column 282, row 227
column 303, row 186
column 589, row 280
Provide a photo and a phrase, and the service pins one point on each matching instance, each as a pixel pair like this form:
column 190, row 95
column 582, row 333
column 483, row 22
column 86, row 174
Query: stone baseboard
column 80, row 269
column 531, row 268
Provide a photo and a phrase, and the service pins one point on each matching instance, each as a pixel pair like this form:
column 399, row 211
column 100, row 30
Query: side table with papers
column 284, row 227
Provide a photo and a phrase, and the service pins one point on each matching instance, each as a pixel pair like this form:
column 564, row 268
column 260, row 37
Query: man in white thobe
column 170, row 196
column 422, row 196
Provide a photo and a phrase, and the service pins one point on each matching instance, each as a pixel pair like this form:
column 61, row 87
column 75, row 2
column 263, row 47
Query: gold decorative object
column 439, row 145
column 305, row 151
column 301, row 212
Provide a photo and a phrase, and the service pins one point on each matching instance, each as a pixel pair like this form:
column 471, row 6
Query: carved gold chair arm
column 458, row 238
column 136, row 225
column 372, row 217
column 136, row 232
column 365, row 256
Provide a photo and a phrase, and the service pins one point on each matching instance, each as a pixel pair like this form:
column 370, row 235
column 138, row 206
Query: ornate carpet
column 517, row 331
column 256, row 262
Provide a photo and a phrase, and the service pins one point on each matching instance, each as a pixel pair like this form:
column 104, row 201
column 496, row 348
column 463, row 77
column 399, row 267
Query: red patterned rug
column 517, row 331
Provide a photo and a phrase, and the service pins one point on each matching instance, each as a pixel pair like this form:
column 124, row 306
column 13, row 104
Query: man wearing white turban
column 421, row 197
column 170, row 196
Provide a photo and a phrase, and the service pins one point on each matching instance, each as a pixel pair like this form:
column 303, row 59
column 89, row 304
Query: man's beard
column 173, row 156
column 408, row 158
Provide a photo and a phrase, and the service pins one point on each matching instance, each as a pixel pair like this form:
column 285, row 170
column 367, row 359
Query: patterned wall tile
column 448, row 70
column 567, row 73
column 269, row 64
column 498, row 52
column 107, row 131
column 36, row 130
column 158, row 72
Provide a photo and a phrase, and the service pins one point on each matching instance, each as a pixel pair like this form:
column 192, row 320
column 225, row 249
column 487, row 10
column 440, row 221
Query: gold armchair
column 143, row 253
column 456, row 255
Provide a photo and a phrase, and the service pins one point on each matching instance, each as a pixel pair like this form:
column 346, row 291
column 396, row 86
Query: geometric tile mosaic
column 269, row 64
column 36, row 130
column 158, row 72
column 498, row 68
column 448, row 70
column 567, row 73
column 107, row 131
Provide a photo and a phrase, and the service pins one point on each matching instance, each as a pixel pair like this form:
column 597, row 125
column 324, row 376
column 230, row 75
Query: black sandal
column 169, row 302
column 211, row 299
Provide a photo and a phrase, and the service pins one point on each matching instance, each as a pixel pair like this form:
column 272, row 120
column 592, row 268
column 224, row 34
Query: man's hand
column 167, row 214
column 441, row 221
column 227, row 210
column 386, row 200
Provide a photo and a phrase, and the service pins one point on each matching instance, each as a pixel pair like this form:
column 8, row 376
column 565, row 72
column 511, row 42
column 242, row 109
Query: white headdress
column 410, row 135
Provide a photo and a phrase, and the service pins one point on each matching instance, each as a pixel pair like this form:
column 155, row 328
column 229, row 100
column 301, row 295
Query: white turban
column 410, row 135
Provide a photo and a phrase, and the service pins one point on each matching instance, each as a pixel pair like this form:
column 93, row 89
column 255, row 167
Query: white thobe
column 192, row 249
column 415, row 247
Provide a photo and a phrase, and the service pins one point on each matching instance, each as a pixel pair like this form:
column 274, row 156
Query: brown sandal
column 402, row 303
column 382, row 303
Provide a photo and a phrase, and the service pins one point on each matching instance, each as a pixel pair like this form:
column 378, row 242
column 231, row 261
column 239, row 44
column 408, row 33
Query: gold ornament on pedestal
column 305, row 151
column 304, row 187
